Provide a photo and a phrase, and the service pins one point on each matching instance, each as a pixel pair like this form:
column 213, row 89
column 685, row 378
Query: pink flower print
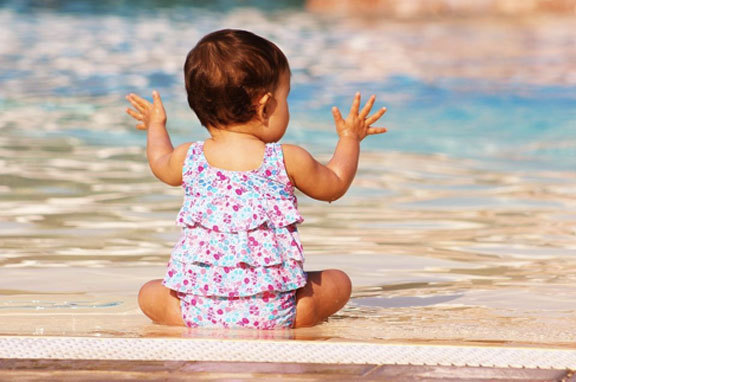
column 245, row 321
column 185, row 282
column 220, row 311
column 200, row 168
column 268, row 172
column 238, row 191
column 216, row 256
column 221, row 176
column 236, row 207
column 215, row 228
column 227, row 269
column 253, row 309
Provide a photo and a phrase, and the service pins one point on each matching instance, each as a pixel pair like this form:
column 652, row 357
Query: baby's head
column 233, row 77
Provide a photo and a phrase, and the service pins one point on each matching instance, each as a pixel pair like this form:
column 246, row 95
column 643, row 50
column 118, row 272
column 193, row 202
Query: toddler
column 238, row 262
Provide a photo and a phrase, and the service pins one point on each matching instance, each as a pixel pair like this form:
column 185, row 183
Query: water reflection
column 434, row 272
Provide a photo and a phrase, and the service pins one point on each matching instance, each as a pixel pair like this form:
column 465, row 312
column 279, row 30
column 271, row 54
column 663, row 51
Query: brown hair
column 227, row 71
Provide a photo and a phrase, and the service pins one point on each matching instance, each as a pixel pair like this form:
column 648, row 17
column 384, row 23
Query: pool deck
column 94, row 358
column 96, row 370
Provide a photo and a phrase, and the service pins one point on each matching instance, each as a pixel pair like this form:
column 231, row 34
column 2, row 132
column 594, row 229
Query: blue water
column 67, row 66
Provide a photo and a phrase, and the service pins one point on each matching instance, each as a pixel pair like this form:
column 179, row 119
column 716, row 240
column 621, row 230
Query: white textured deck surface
column 174, row 349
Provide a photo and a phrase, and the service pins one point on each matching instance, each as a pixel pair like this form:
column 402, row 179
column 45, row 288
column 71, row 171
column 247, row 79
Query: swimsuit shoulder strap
column 273, row 166
column 193, row 162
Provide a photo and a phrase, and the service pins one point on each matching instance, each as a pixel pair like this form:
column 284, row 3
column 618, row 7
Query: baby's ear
column 266, row 106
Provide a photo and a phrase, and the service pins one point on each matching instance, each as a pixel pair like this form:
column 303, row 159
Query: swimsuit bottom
column 266, row 310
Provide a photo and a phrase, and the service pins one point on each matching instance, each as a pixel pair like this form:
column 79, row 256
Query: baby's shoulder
column 293, row 152
column 295, row 159
column 179, row 155
column 295, row 155
column 180, row 152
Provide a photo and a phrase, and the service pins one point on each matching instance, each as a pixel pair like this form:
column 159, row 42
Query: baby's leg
column 160, row 304
column 325, row 293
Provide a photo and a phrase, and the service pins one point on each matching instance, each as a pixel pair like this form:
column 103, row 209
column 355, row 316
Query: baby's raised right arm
column 330, row 182
column 165, row 161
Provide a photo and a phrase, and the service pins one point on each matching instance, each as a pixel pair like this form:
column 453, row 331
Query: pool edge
column 281, row 351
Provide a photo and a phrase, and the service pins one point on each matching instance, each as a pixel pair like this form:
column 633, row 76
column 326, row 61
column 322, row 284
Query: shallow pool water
column 460, row 226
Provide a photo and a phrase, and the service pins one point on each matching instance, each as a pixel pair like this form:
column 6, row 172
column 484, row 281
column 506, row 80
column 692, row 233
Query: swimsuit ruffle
column 225, row 213
column 261, row 247
column 236, row 281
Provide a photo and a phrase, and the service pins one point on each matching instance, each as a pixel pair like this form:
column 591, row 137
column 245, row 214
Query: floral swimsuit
column 239, row 259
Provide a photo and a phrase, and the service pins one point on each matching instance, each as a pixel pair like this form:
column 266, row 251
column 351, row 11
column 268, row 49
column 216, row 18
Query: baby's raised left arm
column 165, row 161
column 330, row 182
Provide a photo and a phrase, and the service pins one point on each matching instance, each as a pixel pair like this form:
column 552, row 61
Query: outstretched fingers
column 139, row 103
column 370, row 120
column 336, row 115
column 157, row 99
column 355, row 105
column 375, row 130
column 158, row 105
column 134, row 114
column 358, row 124
column 367, row 107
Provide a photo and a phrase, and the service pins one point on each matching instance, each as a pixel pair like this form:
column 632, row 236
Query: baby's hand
column 148, row 114
column 357, row 125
